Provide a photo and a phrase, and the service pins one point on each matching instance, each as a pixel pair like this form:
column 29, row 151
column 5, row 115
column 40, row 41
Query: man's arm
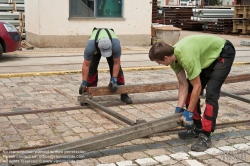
column 196, row 83
column 85, row 69
column 116, row 67
column 183, row 88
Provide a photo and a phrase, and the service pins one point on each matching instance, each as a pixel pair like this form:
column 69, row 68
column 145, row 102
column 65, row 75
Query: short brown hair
column 159, row 50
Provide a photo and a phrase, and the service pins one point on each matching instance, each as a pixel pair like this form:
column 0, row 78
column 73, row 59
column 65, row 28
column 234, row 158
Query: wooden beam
column 142, row 88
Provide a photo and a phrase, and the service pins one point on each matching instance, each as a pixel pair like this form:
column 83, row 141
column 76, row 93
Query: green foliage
column 214, row 2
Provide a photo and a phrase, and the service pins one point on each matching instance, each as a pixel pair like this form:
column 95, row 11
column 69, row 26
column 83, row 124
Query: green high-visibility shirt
column 196, row 52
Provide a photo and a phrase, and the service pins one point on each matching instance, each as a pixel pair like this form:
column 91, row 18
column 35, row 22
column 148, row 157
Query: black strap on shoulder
column 97, row 34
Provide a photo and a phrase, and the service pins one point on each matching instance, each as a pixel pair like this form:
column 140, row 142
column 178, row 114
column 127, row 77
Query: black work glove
column 83, row 85
column 113, row 84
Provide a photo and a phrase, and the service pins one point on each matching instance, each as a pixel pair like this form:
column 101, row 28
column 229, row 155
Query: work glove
column 178, row 110
column 113, row 84
column 83, row 85
column 187, row 118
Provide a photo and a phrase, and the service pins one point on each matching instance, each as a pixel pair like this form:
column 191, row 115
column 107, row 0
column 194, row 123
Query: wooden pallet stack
column 12, row 11
column 241, row 22
column 181, row 18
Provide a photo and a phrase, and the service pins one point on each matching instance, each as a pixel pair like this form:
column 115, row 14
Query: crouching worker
column 199, row 61
column 103, row 42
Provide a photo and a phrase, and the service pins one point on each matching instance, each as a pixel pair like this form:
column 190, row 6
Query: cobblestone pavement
column 40, row 92
column 231, row 146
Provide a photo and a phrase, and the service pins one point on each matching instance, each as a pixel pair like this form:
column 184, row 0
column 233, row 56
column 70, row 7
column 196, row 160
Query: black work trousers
column 212, row 79
column 93, row 71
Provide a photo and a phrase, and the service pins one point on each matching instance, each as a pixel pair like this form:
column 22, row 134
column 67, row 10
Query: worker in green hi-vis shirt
column 199, row 61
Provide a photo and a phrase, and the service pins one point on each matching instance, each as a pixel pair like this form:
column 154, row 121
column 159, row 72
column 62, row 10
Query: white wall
column 48, row 18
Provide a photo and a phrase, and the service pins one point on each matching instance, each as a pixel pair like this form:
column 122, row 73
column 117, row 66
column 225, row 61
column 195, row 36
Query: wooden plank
column 142, row 88
column 125, row 89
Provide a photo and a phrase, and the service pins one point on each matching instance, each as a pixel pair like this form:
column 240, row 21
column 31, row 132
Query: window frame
column 95, row 13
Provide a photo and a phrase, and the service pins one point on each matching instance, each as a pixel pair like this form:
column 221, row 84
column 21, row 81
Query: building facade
column 69, row 23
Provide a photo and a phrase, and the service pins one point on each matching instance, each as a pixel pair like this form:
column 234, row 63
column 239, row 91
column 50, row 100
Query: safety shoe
column 202, row 144
column 126, row 99
column 192, row 132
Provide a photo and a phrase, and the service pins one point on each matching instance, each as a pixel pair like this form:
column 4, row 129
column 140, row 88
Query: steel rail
column 171, row 131
column 106, row 139
column 49, row 110
column 110, row 112
column 235, row 96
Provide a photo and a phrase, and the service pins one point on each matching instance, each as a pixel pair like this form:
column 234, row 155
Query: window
column 96, row 8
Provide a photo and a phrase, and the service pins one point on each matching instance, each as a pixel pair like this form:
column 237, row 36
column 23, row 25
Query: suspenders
column 97, row 34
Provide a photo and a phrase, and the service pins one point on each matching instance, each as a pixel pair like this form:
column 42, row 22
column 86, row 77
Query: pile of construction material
column 181, row 17
column 241, row 22
column 12, row 11
column 215, row 20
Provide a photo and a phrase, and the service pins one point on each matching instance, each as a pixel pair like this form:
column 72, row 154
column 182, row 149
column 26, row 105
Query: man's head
column 162, row 53
column 105, row 47
column 159, row 50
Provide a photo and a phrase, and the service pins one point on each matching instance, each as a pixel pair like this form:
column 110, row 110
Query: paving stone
column 3, row 119
column 213, row 151
column 217, row 137
column 165, row 160
column 241, row 164
column 247, row 137
column 241, row 146
column 136, row 148
column 177, row 142
column 93, row 154
column 12, row 138
column 40, row 127
column 36, row 143
column 86, row 135
column 160, row 138
column 71, row 138
column 142, row 141
column 125, row 163
column 146, row 161
column 18, row 121
column 98, row 130
column 79, row 129
column 156, row 152
column 157, row 145
column 22, row 126
column 194, row 163
column 72, row 124
column 111, row 164
column 179, row 149
column 227, row 148
column 220, row 143
column 215, row 162
column 85, row 162
column 134, row 155
column 9, row 131
column 233, row 134
column 113, row 151
column 180, row 156
column 35, row 122
column 196, row 154
column 110, row 159
column 16, row 117
column 229, row 158
column 237, row 140
column 245, row 132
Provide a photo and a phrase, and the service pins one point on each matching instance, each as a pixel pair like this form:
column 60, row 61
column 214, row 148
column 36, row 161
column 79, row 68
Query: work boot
column 126, row 99
column 202, row 144
column 192, row 132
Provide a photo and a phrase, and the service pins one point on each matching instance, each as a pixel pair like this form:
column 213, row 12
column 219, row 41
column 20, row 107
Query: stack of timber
column 241, row 22
column 12, row 11
column 221, row 26
column 181, row 18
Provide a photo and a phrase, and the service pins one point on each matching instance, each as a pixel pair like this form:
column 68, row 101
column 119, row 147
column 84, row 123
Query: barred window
column 96, row 8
